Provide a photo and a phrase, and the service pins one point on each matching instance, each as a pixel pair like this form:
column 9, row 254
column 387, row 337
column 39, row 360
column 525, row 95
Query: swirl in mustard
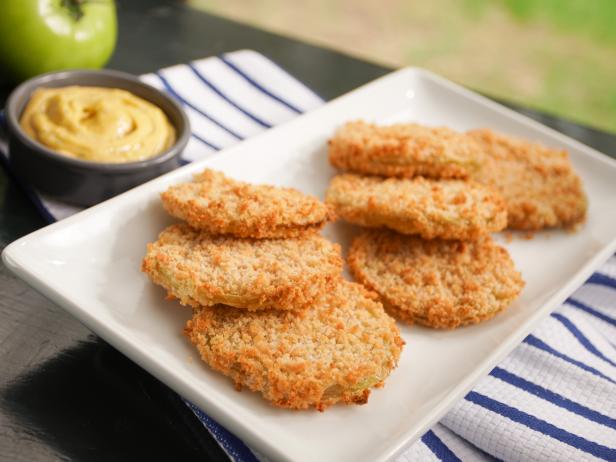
column 97, row 124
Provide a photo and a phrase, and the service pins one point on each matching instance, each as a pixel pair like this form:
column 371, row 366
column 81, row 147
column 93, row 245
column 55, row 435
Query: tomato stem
column 74, row 8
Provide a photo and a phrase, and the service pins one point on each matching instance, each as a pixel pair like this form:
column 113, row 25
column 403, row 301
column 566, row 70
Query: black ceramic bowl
column 78, row 181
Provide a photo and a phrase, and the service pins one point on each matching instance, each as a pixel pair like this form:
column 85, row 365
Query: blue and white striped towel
column 552, row 399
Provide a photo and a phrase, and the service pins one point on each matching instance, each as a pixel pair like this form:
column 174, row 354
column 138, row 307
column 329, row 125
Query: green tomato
column 38, row 36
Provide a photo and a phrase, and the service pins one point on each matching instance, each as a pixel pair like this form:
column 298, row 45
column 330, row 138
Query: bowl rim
column 27, row 87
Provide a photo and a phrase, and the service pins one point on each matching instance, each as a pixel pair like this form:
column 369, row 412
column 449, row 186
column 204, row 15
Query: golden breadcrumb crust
column 336, row 351
column 403, row 150
column 539, row 185
column 437, row 283
column 201, row 269
column 448, row 209
column 221, row 205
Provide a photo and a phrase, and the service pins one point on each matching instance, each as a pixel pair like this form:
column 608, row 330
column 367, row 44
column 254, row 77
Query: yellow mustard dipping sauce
column 97, row 124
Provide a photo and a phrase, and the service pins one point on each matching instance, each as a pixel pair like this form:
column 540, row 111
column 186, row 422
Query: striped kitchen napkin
column 552, row 399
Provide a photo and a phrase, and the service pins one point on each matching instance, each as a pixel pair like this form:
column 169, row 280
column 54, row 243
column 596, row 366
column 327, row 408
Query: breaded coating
column 448, row 209
column 437, row 283
column 220, row 205
column 539, row 185
column 334, row 352
column 403, row 150
column 201, row 269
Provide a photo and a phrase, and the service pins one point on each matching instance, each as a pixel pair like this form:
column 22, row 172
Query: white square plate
column 89, row 264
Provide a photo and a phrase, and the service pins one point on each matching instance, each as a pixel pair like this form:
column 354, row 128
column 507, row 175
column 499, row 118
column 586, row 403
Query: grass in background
column 595, row 18
column 556, row 55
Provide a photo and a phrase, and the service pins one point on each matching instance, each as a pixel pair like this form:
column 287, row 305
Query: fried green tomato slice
column 200, row 269
column 437, row 283
column 218, row 204
column 538, row 183
column 334, row 352
column 403, row 150
column 448, row 209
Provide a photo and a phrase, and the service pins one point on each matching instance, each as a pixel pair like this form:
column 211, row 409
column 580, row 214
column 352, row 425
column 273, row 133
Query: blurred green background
column 555, row 55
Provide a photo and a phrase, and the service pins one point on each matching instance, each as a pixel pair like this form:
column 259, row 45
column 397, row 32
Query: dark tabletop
column 66, row 394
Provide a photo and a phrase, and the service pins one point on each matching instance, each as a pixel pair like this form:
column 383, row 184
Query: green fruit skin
column 38, row 36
